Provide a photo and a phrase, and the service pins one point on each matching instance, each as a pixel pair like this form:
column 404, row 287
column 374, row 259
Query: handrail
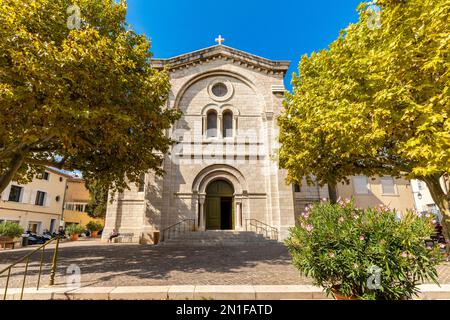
column 269, row 231
column 27, row 259
column 171, row 230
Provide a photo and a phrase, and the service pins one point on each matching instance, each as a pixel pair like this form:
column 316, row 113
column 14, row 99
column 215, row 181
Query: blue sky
column 277, row 29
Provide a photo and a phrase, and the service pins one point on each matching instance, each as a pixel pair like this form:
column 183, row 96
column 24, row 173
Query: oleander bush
column 374, row 253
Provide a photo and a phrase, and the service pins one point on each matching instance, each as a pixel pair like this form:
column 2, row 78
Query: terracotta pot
column 94, row 234
column 338, row 296
column 74, row 237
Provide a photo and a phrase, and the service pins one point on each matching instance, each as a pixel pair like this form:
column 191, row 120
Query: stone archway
column 219, row 206
column 235, row 179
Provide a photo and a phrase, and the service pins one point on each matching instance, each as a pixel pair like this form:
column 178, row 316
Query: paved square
column 105, row 265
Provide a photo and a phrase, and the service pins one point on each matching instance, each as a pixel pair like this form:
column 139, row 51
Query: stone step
column 218, row 238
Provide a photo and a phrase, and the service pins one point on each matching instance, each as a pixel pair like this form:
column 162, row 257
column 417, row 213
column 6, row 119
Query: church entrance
column 219, row 206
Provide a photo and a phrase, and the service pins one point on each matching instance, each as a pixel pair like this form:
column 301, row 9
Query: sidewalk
column 186, row 292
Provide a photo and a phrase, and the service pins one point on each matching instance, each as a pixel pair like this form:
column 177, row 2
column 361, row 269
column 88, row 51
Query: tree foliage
column 85, row 99
column 98, row 202
column 377, row 101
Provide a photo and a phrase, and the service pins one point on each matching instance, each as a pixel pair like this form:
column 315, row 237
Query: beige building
column 38, row 205
column 221, row 174
column 76, row 201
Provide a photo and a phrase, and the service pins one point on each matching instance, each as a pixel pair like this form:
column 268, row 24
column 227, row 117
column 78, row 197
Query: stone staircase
column 218, row 238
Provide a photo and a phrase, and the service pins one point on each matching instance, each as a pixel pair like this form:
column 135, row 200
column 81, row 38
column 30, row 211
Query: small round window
column 219, row 90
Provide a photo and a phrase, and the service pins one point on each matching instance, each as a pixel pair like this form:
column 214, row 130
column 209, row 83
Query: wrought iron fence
column 261, row 228
column 186, row 225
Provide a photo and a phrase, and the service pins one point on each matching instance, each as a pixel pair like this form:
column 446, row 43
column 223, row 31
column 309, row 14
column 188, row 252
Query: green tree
column 377, row 101
column 98, row 202
column 79, row 94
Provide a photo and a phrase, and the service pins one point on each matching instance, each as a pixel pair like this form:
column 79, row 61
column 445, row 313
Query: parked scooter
column 35, row 239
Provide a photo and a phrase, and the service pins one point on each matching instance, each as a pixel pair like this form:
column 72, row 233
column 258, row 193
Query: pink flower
column 442, row 246
column 362, row 238
column 428, row 215
column 404, row 255
column 433, row 221
column 324, row 199
column 309, row 228
column 331, row 254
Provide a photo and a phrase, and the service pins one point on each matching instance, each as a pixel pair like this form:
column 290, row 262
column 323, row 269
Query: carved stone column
column 202, row 224
column 238, row 214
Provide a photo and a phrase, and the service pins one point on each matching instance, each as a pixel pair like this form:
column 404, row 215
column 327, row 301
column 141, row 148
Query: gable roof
column 222, row 52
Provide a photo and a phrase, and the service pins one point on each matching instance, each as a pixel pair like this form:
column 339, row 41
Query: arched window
column 211, row 124
column 227, row 124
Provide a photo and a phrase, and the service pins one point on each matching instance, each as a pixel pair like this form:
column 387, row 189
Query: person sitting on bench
column 112, row 235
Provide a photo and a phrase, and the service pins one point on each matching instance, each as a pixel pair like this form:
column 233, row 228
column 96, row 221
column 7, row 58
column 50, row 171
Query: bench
column 124, row 236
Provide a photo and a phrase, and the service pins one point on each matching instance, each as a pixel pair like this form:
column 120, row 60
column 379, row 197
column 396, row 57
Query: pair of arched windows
column 212, row 124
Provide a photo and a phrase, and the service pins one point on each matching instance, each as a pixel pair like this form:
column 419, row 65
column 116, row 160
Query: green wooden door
column 215, row 193
column 213, row 213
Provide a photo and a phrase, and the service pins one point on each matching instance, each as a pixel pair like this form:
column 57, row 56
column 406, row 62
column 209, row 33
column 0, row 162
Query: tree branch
column 47, row 162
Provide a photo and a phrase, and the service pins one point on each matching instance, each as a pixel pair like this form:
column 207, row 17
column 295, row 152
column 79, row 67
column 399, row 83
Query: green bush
column 365, row 254
column 74, row 229
column 94, row 226
column 10, row 229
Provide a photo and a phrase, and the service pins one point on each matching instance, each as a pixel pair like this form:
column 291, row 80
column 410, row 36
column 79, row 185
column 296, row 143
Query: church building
column 222, row 174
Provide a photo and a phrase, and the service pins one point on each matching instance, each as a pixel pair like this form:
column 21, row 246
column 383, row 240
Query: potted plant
column 74, row 230
column 94, row 227
column 374, row 254
column 9, row 231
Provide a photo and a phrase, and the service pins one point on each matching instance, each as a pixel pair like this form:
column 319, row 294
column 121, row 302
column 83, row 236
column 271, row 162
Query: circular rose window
column 219, row 90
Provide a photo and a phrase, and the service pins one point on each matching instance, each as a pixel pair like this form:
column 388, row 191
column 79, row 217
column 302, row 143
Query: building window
column 361, row 185
column 40, row 198
column 72, row 206
column 15, row 193
column 297, row 187
column 388, row 185
column 227, row 124
column 219, row 90
column 43, row 176
column 211, row 124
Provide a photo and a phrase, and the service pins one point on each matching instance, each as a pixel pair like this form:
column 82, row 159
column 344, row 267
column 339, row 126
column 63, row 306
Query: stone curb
column 191, row 292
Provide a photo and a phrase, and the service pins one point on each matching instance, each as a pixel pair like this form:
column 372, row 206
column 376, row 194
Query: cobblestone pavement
column 138, row 265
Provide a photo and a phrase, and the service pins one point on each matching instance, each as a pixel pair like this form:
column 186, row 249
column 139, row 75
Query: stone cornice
column 223, row 52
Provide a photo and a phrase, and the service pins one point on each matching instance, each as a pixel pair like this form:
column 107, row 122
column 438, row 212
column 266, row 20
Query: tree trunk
column 14, row 165
column 332, row 191
column 441, row 199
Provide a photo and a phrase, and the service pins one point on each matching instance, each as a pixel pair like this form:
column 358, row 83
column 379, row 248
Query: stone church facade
column 222, row 173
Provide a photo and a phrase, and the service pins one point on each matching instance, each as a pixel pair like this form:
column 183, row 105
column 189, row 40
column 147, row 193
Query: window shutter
column 5, row 193
column 47, row 200
column 387, row 185
column 32, row 197
column 26, row 193
column 361, row 185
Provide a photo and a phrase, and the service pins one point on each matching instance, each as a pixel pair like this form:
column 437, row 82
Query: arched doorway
column 219, row 206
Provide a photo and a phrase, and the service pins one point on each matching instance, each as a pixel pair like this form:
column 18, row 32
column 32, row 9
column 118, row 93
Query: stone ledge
column 191, row 292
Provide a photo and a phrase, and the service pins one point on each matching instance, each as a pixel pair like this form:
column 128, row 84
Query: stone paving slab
column 239, row 292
